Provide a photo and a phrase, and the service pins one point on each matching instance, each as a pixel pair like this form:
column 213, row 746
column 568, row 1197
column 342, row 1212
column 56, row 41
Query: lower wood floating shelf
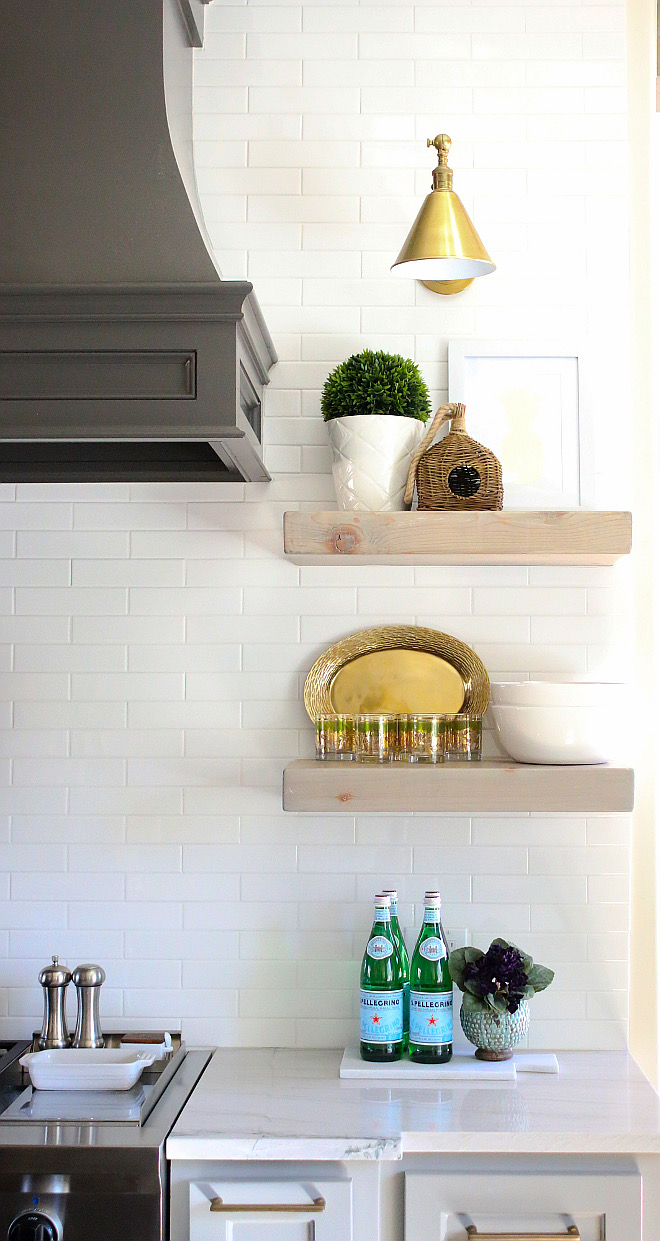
column 510, row 537
column 467, row 788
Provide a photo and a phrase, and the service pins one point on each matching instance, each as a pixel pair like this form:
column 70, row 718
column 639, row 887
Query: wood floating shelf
column 466, row 788
column 510, row 537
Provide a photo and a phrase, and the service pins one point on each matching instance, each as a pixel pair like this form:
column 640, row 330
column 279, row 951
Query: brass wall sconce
column 443, row 248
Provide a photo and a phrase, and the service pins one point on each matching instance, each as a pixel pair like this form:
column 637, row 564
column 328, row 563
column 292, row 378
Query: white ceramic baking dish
column 85, row 1069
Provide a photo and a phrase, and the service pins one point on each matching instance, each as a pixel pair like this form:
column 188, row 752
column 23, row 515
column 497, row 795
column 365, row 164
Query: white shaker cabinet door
column 276, row 1210
column 601, row 1207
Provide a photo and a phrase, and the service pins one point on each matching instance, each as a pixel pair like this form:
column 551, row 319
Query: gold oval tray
column 398, row 668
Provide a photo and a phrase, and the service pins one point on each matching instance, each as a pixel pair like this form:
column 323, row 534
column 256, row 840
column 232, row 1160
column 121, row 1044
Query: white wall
column 156, row 642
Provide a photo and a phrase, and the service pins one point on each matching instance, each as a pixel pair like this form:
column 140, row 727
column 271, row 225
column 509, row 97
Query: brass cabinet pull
column 305, row 1208
column 572, row 1231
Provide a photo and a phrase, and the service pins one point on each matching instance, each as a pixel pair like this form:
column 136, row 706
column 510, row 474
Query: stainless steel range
column 89, row 1166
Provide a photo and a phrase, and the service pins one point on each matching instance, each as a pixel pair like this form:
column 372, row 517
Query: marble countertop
column 290, row 1104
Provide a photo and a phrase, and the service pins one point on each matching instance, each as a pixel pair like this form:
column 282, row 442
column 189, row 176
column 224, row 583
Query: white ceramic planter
column 371, row 455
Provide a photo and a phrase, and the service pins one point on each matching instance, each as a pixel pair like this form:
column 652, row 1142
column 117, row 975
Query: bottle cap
column 432, row 898
column 382, row 900
column 391, row 892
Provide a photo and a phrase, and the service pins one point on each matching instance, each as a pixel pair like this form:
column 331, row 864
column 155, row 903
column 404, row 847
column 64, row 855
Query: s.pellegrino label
column 381, row 1016
column 381, row 990
column 431, row 992
column 431, row 1018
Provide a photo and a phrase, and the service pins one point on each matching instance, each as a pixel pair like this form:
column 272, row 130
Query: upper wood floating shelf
column 510, row 537
column 493, row 787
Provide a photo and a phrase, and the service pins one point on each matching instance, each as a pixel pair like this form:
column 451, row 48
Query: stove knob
column 33, row 1226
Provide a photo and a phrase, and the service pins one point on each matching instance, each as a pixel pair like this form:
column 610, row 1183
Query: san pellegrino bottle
column 405, row 960
column 381, row 990
column 431, row 1000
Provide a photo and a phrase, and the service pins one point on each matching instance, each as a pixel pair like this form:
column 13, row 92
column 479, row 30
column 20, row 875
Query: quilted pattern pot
column 496, row 1032
column 371, row 455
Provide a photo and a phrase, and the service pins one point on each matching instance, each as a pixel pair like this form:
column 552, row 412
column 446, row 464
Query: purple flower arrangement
column 496, row 980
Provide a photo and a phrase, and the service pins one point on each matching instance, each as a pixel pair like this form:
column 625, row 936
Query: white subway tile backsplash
column 123, row 629
column 185, row 657
column 58, row 713
column 73, row 946
column 69, row 657
column 15, row 914
column 121, row 801
column 125, row 915
column 154, row 640
column 166, row 715
column 59, row 887
column 28, row 516
column 147, row 945
column 93, row 686
column 126, row 743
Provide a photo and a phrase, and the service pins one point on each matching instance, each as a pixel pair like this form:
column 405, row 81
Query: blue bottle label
column 381, row 1016
column 432, row 949
column 379, row 947
column 431, row 1017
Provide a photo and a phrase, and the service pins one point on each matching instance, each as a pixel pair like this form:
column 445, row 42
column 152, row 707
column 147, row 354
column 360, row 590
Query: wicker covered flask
column 457, row 473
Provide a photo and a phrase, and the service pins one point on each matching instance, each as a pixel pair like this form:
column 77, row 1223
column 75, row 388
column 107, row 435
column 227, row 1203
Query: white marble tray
column 459, row 1068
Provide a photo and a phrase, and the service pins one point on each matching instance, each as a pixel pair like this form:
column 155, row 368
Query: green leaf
column 472, row 1004
column 457, row 962
column 540, row 977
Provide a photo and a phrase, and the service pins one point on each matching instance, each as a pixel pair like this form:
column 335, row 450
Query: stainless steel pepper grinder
column 54, row 979
column 88, row 980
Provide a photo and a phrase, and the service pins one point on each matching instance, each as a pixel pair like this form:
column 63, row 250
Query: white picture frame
column 523, row 402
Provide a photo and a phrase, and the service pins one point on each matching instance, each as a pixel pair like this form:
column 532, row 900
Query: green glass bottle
column 431, row 999
column 381, row 990
column 405, row 960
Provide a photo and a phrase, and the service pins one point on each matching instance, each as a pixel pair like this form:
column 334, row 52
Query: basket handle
column 442, row 415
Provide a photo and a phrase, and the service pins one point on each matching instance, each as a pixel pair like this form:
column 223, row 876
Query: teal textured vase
column 495, row 1034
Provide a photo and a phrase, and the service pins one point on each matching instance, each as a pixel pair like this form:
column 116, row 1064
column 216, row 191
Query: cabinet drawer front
column 275, row 1210
column 442, row 1208
column 70, row 375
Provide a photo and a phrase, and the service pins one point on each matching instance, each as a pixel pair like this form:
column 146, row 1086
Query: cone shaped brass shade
column 443, row 246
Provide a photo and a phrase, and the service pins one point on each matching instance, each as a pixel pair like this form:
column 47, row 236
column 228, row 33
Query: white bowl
column 564, row 735
column 557, row 693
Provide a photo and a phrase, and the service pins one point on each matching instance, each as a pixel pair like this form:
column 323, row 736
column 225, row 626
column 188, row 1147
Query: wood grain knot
column 344, row 542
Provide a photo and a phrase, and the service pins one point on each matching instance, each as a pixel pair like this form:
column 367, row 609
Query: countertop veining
column 290, row 1104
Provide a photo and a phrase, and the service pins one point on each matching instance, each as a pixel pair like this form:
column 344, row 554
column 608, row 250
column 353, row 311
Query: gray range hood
column 123, row 354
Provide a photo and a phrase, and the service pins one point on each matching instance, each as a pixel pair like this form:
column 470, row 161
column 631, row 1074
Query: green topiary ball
column 374, row 382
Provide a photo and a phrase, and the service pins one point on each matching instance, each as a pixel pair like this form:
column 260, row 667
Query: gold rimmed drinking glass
column 463, row 738
column 422, row 738
column 335, row 737
column 376, row 738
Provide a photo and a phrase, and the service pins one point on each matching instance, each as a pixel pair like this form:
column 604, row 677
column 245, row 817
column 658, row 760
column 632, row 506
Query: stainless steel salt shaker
column 88, row 980
column 54, row 979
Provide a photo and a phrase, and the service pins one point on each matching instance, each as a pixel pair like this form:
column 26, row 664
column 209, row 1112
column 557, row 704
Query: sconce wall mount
column 443, row 248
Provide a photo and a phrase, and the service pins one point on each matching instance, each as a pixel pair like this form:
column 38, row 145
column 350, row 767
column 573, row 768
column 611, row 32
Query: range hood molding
column 123, row 354
column 172, row 365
